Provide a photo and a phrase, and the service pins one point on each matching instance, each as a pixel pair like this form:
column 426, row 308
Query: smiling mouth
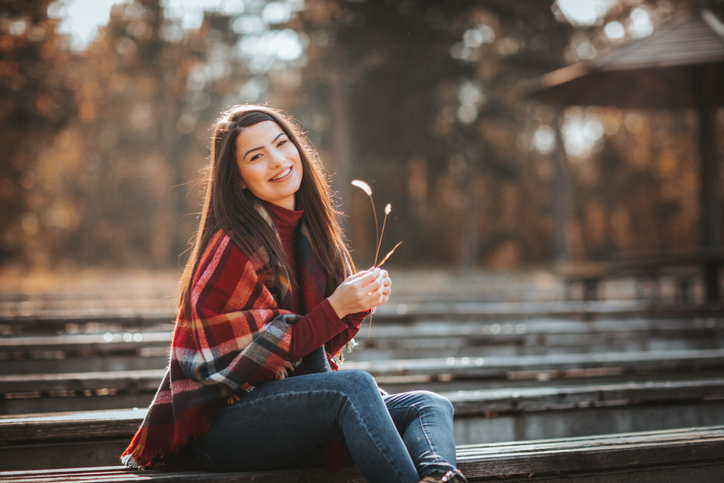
column 282, row 174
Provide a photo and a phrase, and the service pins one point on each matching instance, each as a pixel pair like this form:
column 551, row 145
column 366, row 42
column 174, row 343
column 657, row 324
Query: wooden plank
column 575, row 421
column 61, row 353
column 123, row 380
column 60, row 362
column 474, row 412
column 75, row 425
column 67, row 454
column 105, row 342
column 505, row 400
column 124, row 422
column 502, row 367
column 76, row 402
column 694, row 472
column 594, row 452
column 636, row 453
column 552, row 365
column 475, row 429
column 57, row 321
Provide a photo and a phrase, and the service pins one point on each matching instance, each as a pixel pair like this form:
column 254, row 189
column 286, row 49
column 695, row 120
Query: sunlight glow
column 544, row 139
column 614, row 30
column 641, row 25
column 81, row 19
column 584, row 12
column 581, row 134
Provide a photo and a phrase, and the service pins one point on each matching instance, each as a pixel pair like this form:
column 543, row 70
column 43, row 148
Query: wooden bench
column 691, row 454
column 648, row 271
column 76, row 322
column 148, row 349
column 95, row 438
column 23, row 393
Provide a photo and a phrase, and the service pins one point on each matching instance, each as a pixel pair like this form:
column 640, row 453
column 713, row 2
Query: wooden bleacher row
column 96, row 438
column 139, row 349
column 616, row 389
column 15, row 322
column 99, row 390
column 681, row 455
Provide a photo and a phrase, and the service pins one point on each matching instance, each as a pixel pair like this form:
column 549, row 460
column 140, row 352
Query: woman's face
column 269, row 163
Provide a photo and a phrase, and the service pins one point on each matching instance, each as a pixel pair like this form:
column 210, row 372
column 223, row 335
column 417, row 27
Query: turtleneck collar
column 285, row 220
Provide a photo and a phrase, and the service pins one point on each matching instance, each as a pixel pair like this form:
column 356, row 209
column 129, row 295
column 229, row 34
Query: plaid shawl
column 237, row 335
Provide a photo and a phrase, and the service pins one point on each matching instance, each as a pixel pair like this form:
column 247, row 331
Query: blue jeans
column 394, row 438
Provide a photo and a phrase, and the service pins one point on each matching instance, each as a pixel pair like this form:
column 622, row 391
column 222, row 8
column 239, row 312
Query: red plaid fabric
column 236, row 336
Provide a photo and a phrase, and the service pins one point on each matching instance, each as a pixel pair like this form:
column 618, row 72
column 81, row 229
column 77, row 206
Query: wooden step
column 18, row 390
column 148, row 349
column 643, row 456
column 552, row 365
column 482, row 416
column 17, row 321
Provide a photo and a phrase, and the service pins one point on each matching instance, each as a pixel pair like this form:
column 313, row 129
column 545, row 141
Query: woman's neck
column 285, row 220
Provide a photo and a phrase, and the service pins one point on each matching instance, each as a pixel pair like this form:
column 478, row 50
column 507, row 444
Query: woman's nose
column 276, row 157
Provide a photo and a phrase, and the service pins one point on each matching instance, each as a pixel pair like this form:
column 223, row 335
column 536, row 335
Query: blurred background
column 560, row 274
column 106, row 108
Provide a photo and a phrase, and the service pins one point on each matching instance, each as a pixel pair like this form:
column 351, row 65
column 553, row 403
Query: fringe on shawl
column 135, row 455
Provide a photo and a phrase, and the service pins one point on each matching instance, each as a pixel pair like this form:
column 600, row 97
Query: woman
column 268, row 293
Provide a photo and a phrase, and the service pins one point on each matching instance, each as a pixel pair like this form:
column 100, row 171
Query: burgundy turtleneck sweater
column 321, row 324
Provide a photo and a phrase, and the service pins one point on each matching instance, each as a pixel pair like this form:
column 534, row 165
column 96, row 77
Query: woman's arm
column 336, row 320
column 353, row 322
column 315, row 329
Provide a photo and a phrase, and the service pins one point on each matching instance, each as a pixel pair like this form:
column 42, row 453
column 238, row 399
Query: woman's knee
column 433, row 401
column 356, row 380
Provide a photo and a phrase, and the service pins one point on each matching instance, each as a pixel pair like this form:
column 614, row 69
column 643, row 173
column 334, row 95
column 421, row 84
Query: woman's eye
column 255, row 157
column 281, row 143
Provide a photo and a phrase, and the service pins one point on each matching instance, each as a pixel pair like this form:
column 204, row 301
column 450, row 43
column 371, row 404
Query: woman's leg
column 279, row 421
column 425, row 421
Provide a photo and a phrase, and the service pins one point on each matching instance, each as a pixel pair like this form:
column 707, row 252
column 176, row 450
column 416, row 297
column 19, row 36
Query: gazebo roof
column 692, row 39
column 654, row 72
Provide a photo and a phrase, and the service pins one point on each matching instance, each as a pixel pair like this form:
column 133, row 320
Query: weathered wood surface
column 594, row 452
column 19, row 321
column 641, row 454
column 19, row 390
column 555, row 365
column 490, row 403
column 148, row 349
column 550, row 365
column 527, row 332
column 95, row 438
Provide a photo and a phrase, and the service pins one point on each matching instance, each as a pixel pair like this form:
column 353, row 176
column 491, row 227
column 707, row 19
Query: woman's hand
column 361, row 291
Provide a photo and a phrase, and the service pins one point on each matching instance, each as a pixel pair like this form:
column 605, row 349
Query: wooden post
column 704, row 85
column 561, row 188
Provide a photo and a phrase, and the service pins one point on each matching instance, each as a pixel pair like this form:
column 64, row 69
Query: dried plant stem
column 389, row 254
column 368, row 191
column 377, row 228
column 369, row 329
column 379, row 241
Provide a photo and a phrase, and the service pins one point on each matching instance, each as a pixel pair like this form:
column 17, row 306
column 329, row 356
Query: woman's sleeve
column 353, row 323
column 315, row 329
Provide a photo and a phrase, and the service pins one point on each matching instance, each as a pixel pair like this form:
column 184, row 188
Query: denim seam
column 434, row 454
column 374, row 440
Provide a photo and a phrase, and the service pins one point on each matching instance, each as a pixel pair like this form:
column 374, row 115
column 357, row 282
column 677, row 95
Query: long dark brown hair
column 229, row 207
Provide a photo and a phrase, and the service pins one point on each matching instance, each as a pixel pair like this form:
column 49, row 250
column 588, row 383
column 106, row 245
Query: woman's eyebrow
column 257, row 149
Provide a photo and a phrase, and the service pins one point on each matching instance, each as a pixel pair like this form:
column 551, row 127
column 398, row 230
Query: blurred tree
column 423, row 100
column 146, row 92
column 34, row 105
column 434, row 99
